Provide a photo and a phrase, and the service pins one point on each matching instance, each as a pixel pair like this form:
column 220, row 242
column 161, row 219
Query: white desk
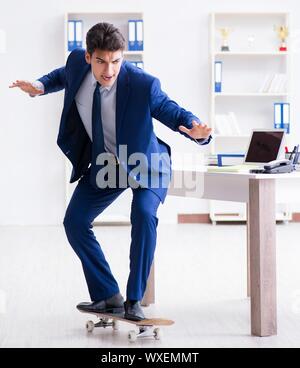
column 261, row 193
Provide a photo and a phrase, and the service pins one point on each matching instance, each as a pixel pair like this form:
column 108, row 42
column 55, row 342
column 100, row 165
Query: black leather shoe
column 133, row 311
column 114, row 305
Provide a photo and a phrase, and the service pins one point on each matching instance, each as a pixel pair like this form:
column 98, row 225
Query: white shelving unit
column 117, row 213
column 244, row 67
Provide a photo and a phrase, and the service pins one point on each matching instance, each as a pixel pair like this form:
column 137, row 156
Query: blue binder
column 277, row 115
column 218, row 76
column 78, row 33
column 286, row 117
column 282, row 116
column 132, row 44
column 139, row 35
column 71, row 35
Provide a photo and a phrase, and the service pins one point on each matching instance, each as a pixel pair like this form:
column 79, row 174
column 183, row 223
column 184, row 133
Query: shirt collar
column 94, row 82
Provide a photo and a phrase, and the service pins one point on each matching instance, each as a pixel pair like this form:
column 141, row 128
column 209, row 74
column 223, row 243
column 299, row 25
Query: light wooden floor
column 201, row 284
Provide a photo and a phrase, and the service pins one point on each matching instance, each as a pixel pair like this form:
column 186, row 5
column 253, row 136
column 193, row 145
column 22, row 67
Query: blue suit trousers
column 86, row 204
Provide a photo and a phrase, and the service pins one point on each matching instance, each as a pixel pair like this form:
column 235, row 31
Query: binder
column 218, row 76
column 78, row 33
column 131, row 35
column 139, row 35
column 286, row 117
column 277, row 115
column 71, row 35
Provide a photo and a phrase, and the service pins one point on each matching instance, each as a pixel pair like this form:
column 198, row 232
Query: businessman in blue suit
column 108, row 109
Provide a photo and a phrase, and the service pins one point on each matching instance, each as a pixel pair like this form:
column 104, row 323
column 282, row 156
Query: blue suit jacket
column 139, row 99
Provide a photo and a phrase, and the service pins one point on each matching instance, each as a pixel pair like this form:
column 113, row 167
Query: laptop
column 264, row 146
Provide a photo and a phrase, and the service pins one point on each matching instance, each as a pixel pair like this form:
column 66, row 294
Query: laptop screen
column 264, row 146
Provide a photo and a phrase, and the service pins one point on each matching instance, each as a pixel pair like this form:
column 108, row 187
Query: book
column 274, row 83
column 227, row 124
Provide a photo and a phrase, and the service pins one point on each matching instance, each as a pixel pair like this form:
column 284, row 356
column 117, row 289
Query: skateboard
column 147, row 327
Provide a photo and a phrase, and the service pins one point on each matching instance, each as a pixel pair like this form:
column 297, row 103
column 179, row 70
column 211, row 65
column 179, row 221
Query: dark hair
column 104, row 36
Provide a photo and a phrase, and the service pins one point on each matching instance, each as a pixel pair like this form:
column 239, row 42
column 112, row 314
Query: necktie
column 97, row 134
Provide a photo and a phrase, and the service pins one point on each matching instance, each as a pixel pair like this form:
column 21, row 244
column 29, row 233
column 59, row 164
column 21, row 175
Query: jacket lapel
column 74, row 87
column 121, row 100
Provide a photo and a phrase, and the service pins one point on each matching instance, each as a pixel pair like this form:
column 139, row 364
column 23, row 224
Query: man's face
column 105, row 65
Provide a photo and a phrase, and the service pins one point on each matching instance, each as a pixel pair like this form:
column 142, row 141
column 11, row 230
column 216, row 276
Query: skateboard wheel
column 157, row 334
column 132, row 336
column 90, row 326
column 115, row 325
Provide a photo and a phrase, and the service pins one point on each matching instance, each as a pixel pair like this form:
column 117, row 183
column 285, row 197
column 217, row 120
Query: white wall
column 176, row 37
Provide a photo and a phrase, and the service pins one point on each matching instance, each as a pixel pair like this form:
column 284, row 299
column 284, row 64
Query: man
column 108, row 106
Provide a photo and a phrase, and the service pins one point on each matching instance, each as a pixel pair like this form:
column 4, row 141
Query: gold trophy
column 225, row 32
column 283, row 33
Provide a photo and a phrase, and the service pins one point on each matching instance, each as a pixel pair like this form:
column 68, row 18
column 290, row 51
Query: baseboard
column 191, row 218
column 203, row 218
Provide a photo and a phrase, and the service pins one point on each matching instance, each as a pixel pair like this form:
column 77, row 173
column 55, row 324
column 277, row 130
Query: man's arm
column 175, row 117
column 52, row 82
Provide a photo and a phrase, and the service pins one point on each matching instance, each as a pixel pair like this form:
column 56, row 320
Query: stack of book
column 274, row 83
column 211, row 160
column 226, row 124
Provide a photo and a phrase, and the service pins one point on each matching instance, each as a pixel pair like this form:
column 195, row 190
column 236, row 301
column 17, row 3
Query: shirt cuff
column 39, row 85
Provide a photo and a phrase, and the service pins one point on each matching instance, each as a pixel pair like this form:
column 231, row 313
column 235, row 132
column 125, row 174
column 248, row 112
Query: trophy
column 283, row 33
column 225, row 32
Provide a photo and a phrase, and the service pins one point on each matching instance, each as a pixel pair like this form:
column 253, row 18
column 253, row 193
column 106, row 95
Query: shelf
column 126, row 53
column 282, row 14
column 133, row 53
column 251, row 53
column 105, row 14
column 250, row 94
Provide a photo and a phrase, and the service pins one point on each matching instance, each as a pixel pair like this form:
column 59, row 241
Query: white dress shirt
column 84, row 103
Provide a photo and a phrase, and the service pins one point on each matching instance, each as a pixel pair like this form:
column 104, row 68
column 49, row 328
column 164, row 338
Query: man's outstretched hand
column 27, row 87
column 198, row 131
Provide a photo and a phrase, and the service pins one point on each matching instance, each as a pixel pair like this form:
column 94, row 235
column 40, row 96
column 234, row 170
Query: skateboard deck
column 147, row 327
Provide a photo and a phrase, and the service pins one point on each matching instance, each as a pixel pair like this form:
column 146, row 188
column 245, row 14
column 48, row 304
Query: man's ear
column 87, row 57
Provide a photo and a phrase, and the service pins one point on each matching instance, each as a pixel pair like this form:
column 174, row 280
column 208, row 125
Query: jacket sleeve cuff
column 203, row 141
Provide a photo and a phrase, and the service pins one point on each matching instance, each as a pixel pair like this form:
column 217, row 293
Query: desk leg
column 262, row 220
column 149, row 296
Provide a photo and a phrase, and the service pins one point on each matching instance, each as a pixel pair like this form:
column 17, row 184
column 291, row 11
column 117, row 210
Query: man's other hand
column 198, row 131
